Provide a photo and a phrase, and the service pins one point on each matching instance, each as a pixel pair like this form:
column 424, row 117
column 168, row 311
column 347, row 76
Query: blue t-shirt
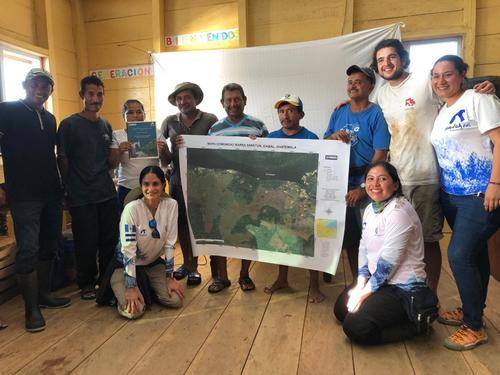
column 247, row 126
column 302, row 134
column 367, row 132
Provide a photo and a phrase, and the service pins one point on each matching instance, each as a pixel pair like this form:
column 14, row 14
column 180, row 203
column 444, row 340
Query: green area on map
column 253, row 199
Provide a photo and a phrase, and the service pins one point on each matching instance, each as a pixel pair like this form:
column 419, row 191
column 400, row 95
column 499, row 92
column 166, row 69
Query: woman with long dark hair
column 148, row 230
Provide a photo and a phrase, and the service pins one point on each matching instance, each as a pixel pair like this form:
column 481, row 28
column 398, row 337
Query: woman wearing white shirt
column 466, row 138
column 129, row 169
column 148, row 229
column 391, row 267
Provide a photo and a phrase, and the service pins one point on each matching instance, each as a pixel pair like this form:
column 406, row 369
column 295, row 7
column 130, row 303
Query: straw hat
column 193, row 87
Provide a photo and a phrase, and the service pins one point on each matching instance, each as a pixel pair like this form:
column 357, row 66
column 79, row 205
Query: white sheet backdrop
column 313, row 70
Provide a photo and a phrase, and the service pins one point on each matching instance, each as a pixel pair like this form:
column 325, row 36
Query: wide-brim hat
column 193, row 87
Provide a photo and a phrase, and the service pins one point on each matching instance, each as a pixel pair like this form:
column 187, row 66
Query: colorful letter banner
column 138, row 71
column 217, row 36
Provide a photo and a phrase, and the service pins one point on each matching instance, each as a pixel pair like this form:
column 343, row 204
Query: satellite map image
column 258, row 200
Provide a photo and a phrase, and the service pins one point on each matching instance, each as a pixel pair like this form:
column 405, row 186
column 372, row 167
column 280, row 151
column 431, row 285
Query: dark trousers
column 380, row 319
column 121, row 193
column 95, row 233
column 37, row 227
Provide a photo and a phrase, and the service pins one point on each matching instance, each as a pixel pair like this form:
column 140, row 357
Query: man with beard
column 410, row 108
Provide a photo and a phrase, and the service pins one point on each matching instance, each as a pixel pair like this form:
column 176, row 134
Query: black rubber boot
column 28, row 285
column 45, row 299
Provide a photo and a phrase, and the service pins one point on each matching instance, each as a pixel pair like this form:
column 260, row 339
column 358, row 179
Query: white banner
column 315, row 71
column 270, row 200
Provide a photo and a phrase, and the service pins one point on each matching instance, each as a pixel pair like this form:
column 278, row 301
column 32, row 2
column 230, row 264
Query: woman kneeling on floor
column 148, row 229
column 380, row 307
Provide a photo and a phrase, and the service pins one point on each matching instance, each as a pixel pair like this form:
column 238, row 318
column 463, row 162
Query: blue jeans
column 37, row 227
column 472, row 226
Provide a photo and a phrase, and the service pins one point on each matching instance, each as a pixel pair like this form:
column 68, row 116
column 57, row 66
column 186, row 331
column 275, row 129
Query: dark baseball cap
column 370, row 75
column 38, row 72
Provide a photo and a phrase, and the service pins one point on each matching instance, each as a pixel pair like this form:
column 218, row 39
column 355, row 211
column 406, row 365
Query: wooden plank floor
column 235, row 333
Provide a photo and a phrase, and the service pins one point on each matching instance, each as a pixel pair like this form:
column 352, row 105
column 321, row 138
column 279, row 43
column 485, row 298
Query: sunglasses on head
column 152, row 225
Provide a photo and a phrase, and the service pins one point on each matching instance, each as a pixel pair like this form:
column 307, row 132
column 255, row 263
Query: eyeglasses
column 152, row 225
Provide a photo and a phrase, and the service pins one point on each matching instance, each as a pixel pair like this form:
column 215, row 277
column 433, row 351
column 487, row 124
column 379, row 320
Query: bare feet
column 277, row 285
column 315, row 295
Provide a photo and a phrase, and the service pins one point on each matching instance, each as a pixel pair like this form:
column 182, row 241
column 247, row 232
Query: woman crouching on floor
column 148, row 229
column 391, row 291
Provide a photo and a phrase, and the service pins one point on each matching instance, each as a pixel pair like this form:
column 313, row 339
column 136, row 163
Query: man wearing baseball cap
column 34, row 193
column 361, row 124
column 190, row 120
column 291, row 112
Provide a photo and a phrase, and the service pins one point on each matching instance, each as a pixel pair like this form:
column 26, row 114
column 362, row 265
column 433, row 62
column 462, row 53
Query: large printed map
column 259, row 200
column 272, row 200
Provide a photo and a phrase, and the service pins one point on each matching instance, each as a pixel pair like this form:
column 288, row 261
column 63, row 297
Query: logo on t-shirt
column 410, row 102
column 459, row 121
column 352, row 130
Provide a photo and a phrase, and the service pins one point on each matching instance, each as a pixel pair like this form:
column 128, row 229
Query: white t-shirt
column 391, row 249
column 129, row 169
column 463, row 149
column 410, row 109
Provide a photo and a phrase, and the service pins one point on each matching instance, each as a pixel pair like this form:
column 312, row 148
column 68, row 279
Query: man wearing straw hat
column 189, row 120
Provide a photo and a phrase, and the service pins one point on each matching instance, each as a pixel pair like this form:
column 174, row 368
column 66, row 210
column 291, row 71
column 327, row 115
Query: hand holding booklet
column 142, row 136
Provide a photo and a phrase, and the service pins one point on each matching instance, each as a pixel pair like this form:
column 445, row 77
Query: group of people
column 442, row 141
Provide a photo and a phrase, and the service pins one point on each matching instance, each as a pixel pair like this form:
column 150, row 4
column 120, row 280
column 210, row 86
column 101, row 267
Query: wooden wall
column 119, row 34
column 63, row 57
column 285, row 21
column 22, row 26
column 487, row 51
column 210, row 15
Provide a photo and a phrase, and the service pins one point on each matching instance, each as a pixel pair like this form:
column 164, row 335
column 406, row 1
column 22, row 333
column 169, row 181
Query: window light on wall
column 424, row 53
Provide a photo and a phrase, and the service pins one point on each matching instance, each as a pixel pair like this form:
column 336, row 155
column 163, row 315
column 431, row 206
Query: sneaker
column 452, row 318
column 466, row 338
